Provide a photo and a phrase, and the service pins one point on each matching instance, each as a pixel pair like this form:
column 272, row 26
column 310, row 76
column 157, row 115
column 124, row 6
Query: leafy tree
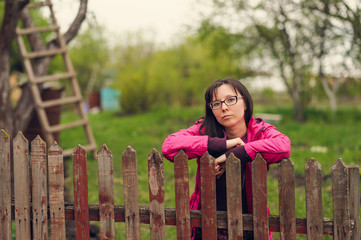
column 296, row 41
column 13, row 119
column 338, row 27
column 90, row 55
column 148, row 76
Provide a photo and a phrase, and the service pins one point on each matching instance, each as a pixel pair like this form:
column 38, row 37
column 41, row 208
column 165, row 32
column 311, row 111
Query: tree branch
column 75, row 26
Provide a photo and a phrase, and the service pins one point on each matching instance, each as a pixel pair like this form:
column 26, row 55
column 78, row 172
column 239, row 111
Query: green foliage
column 90, row 55
column 177, row 75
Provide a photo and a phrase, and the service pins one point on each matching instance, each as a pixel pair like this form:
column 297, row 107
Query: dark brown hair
column 210, row 126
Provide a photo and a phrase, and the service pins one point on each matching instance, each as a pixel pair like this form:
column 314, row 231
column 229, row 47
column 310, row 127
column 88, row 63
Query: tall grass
column 323, row 136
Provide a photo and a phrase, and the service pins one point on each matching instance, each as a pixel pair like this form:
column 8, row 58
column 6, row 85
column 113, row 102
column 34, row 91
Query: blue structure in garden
column 109, row 99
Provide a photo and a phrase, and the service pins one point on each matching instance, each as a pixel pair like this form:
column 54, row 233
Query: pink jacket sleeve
column 273, row 145
column 189, row 140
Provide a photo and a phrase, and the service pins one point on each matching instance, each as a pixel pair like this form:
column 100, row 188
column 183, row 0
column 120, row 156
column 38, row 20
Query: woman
column 228, row 127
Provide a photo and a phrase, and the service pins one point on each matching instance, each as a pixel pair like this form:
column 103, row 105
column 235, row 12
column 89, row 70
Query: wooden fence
column 39, row 203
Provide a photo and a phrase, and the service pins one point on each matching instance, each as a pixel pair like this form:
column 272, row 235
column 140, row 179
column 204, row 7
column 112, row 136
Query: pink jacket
column 261, row 138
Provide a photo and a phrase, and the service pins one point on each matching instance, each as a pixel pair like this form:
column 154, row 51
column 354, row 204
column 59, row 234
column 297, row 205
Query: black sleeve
column 216, row 146
column 240, row 153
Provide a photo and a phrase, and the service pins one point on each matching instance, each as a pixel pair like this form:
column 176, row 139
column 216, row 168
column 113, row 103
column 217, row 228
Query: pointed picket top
column 104, row 150
column 38, row 141
column 129, row 158
column 20, row 138
column 38, row 138
column 259, row 161
column 207, row 157
column 79, row 150
column 4, row 140
column 339, row 164
column 181, row 154
column 129, row 150
column 4, row 135
column 312, row 163
column 233, row 158
column 155, row 158
column 287, row 162
column 55, row 148
column 155, row 153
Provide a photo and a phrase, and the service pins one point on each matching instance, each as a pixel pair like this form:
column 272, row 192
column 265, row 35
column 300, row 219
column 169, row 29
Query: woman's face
column 229, row 116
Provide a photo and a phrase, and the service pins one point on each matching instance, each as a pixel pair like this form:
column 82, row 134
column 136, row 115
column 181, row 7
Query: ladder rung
column 60, row 101
column 45, row 53
column 37, row 5
column 89, row 147
column 54, row 77
column 58, row 128
column 37, row 30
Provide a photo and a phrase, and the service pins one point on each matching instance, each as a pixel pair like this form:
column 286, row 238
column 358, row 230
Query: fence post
column 314, row 200
column 354, row 182
column 234, row 197
column 106, row 193
column 182, row 196
column 22, row 187
column 208, row 197
column 286, row 187
column 156, row 195
column 5, row 186
column 56, row 192
column 80, row 182
column 131, row 197
column 39, row 189
column 341, row 207
column 259, row 192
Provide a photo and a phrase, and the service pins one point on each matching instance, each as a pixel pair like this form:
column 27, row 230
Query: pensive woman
column 228, row 127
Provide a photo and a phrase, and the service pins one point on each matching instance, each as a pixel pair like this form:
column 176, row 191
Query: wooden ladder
column 69, row 75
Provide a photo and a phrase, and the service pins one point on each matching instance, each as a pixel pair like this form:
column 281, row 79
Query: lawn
column 323, row 137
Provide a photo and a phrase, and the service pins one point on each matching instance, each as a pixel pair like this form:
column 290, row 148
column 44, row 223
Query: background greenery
column 312, row 46
column 146, row 131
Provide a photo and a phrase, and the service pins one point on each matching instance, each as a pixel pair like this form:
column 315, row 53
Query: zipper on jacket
column 262, row 129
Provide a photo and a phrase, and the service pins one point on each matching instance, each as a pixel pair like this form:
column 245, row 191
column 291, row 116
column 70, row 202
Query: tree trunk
column 298, row 107
column 7, row 34
column 14, row 120
column 331, row 91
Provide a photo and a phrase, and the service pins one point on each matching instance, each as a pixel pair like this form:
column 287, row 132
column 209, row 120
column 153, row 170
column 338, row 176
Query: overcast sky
column 163, row 19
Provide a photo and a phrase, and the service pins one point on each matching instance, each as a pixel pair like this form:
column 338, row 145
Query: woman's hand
column 231, row 143
column 220, row 165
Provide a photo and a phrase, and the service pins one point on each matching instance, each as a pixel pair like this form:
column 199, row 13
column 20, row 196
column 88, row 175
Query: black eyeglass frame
column 224, row 101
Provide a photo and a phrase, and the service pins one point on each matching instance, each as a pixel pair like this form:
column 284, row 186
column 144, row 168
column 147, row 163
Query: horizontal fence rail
column 38, row 201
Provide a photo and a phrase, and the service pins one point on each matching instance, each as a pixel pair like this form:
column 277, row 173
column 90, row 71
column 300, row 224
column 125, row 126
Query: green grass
column 339, row 135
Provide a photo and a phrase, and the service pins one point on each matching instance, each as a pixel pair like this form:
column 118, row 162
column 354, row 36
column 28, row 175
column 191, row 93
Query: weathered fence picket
column 156, row 195
column 5, row 187
column 56, row 192
column 354, row 180
column 259, row 191
column 314, row 200
column 341, row 201
column 106, row 193
column 22, row 195
column 181, row 180
column 39, row 189
column 80, row 182
column 208, row 197
column 31, row 197
column 131, row 196
column 286, row 188
column 234, row 197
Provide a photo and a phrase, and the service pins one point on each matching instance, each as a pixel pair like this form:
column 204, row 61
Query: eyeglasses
column 228, row 101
